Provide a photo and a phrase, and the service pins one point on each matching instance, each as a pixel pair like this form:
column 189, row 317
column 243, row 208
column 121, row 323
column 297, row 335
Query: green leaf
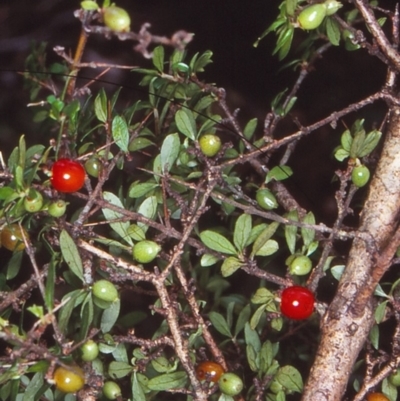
column 269, row 248
column 346, row 140
column 243, row 317
column 370, row 143
column 374, row 336
column 290, row 378
column 50, row 283
column 186, row 123
column 138, row 190
column 308, row 234
column 230, row 265
column 267, row 355
column 389, row 390
column 337, row 271
column 250, row 128
column 358, row 142
column 162, row 365
column 120, row 227
column 87, row 314
column 341, row 154
column 70, row 254
column 252, row 357
column 137, row 389
column 169, row 151
column 32, row 389
column 333, row 31
column 66, row 310
column 110, row 316
column 148, row 209
column 252, row 338
column 100, row 105
column 140, row 143
column 197, row 64
column 14, row 265
column 242, row 231
column 118, row 370
column 291, row 231
column 291, row 7
column 278, row 173
column 6, row 192
column 262, row 296
column 120, row 133
column 89, row 5
column 256, row 317
column 208, row 260
column 380, row 312
column 217, row 242
column 136, row 233
column 158, row 58
column 263, row 239
column 220, row 324
column 168, row 381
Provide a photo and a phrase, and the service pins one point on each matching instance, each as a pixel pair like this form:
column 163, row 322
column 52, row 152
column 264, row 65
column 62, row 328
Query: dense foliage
column 153, row 250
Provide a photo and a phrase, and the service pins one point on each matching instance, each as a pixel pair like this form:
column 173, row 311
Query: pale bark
column 349, row 318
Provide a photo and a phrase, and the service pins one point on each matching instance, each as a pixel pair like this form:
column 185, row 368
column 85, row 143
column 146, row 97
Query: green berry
column 117, row 19
column 312, row 16
column 33, row 202
column 89, row 351
column 180, row 69
column 210, row 144
column 230, row 384
column 58, row 208
column 266, row 199
column 104, row 290
column 111, row 390
column 360, row 176
column 145, row 251
column 93, row 166
column 300, row 265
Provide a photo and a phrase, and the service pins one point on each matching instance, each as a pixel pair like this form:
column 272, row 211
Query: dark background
column 251, row 76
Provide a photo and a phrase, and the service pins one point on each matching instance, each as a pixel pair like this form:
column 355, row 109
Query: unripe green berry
column 266, row 199
column 145, row 251
column 300, row 265
column 93, row 166
column 105, row 291
column 360, row 176
column 58, row 208
column 89, row 350
column 312, row 16
column 33, row 202
column 117, row 19
column 210, row 144
column 111, row 390
column 230, row 384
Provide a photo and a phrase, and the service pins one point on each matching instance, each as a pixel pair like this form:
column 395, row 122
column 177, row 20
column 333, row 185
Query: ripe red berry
column 209, row 371
column 67, row 175
column 297, row 302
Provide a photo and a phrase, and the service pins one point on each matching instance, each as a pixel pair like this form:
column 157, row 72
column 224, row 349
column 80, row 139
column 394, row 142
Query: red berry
column 297, row 302
column 67, row 175
column 209, row 371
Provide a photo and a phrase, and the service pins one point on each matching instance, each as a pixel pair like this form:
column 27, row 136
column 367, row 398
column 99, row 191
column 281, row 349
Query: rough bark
column 349, row 318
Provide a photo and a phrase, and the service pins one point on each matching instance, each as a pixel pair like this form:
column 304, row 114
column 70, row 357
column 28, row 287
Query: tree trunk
column 349, row 318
